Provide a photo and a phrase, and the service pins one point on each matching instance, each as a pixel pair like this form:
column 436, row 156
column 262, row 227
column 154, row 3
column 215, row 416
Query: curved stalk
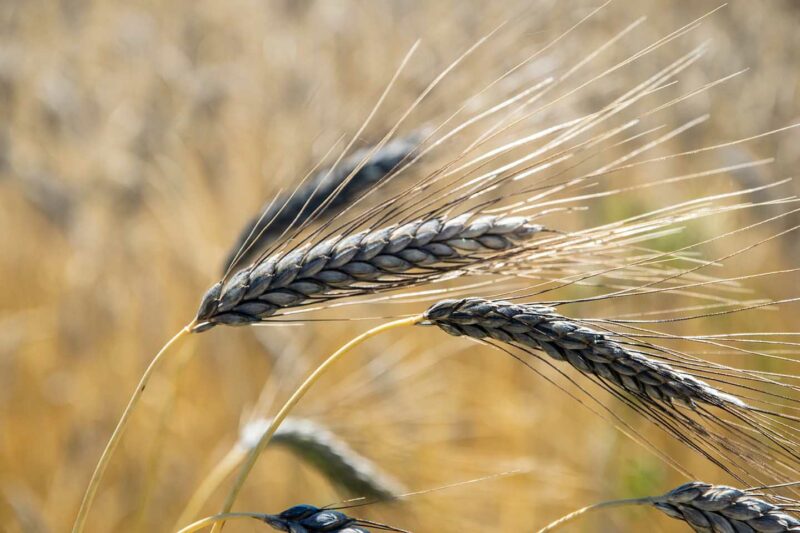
column 180, row 361
column 602, row 505
column 113, row 442
column 216, row 519
column 295, row 398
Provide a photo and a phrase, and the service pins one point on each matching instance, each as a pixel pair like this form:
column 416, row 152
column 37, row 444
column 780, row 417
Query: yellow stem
column 289, row 405
column 113, row 442
column 179, row 362
column 216, row 519
column 603, row 505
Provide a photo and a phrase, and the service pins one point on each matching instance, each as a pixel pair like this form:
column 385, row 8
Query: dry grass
column 137, row 139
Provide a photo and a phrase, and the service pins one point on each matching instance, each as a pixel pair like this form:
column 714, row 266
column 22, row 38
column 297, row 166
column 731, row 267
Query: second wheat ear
column 589, row 351
column 324, row 195
column 318, row 446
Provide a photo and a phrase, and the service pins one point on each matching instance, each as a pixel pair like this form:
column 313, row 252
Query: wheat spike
column 541, row 328
column 321, row 196
column 332, row 456
column 749, row 442
column 708, row 508
column 720, row 509
column 309, row 519
column 363, row 263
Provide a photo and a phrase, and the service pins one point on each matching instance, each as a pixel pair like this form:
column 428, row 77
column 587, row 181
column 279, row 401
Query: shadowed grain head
column 333, row 457
column 321, row 196
column 719, row 509
column 589, row 351
column 309, row 519
column 363, row 263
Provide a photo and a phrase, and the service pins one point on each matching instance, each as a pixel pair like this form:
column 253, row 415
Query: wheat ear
column 332, row 456
column 116, row 436
column 315, row 520
column 734, row 432
column 710, row 508
column 299, row 519
column 321, row 196
column 363, row 263
column 589, row 351
column 312, row 442
column 247, row 467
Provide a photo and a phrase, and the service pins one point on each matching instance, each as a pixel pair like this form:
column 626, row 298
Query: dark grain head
column 363, row 263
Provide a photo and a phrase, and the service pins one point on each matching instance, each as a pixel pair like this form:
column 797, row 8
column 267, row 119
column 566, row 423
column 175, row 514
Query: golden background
column 137, row 137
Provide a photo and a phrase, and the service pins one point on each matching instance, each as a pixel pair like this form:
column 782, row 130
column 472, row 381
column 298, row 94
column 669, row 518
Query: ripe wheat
column 310, row 519
column 332, row 456
column 363, row 263
column 306, row 269
column 710, row 508
column 591, row 352
column 321, row 197
column 749, row 442
column 716, row 508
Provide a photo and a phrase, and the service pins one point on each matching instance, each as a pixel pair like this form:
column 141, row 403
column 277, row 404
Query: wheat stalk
column 710, row 508
column 309, row 274
column 321, row 196
column 298, row 394
column 366, row 477
column 363, row 263
column 116, row 435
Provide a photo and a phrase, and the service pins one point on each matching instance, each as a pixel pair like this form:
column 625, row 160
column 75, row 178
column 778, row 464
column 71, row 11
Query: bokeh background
column 136, row 137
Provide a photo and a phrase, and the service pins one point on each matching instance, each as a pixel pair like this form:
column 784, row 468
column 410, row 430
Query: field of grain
column 137, row 138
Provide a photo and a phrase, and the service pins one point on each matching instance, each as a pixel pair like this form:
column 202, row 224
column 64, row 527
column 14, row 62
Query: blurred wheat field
column 136, row 139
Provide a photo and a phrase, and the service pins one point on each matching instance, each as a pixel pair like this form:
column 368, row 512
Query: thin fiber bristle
column 747, row 441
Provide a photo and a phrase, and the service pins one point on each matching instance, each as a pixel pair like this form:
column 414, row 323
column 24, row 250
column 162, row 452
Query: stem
column 217, row 518
column 179, row 363
column 602, row 505
column 289, row 405
column 113, row 442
